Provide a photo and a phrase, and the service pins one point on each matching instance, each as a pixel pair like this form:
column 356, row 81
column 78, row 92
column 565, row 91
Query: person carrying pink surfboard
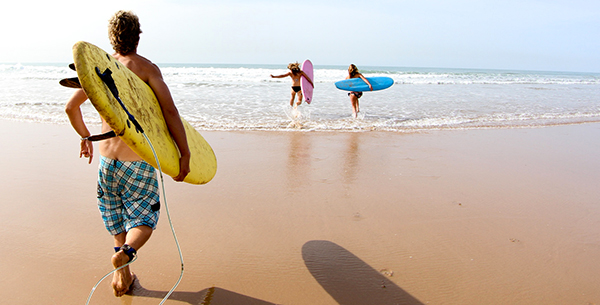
column 296, row 74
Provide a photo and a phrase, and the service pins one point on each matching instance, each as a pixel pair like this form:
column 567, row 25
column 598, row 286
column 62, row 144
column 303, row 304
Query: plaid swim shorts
column 127, row 195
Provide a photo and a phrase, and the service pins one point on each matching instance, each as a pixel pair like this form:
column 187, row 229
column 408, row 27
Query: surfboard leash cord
column 105, row 276
column 162, row 182
column 108, row 80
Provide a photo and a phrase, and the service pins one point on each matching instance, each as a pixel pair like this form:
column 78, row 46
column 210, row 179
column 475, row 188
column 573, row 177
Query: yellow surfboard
column 141, row 102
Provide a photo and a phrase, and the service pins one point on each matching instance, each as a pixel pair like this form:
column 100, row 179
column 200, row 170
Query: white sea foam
column 238, row 97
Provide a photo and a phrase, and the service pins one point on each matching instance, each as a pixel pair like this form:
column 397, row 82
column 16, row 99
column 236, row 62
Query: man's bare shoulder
column 141, row 66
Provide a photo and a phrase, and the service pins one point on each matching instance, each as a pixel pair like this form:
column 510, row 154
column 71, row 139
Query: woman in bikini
column 296, row 74
column 354, row 95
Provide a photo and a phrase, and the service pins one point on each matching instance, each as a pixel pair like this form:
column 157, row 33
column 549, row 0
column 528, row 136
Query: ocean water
column 244, row 97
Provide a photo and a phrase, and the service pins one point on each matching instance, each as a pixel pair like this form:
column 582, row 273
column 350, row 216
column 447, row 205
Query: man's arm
column 173, row 120
column 73, row 110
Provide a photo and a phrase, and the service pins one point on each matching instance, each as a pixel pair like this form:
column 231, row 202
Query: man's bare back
column 124, row 33
column 115, row 148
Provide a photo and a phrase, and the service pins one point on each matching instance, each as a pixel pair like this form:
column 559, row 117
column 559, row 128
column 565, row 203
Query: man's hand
column 184, row 168
column 87, row 150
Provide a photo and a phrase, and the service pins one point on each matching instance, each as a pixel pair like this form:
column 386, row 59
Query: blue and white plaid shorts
column 128, row 195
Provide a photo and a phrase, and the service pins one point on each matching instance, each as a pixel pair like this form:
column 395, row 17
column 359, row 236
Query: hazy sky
column 501, row 34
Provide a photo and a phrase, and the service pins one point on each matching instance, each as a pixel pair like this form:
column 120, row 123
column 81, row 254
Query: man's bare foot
column 122, row 278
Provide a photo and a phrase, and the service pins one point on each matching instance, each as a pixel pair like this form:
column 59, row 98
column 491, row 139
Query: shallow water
column 244, row 97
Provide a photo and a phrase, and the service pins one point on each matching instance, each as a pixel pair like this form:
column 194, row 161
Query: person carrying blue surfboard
column 128, row 194
column 355, row 95
column 296, row 74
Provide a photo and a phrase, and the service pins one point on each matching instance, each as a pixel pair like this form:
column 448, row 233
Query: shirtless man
column 130, row 210
column 296, row 74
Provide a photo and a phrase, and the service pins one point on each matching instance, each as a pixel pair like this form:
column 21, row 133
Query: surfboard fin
column 72, row 82
column 72, row 67
column 104, row 136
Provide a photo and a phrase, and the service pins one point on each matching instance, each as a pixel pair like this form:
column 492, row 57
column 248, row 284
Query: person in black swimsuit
column 296, row 74
column 354, row 95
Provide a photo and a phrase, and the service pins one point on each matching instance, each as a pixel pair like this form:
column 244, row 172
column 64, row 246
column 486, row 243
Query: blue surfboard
column 359, row 85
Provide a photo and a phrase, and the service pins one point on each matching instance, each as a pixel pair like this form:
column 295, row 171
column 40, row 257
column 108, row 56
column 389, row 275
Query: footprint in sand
column 387, row 272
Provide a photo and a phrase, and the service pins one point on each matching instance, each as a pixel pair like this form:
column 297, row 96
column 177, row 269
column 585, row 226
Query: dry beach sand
column 445, row 217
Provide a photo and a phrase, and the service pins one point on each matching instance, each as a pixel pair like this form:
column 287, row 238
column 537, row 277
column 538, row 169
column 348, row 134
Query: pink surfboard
column 307, row 88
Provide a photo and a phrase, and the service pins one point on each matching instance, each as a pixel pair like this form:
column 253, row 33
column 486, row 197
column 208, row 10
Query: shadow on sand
column 209, row 296
column 348, row 279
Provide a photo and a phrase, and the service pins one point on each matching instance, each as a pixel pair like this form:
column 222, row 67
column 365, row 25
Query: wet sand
column 444, row 217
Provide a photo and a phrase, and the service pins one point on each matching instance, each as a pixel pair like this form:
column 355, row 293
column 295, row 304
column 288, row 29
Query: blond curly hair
column 294, row 67
column 124, row 32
